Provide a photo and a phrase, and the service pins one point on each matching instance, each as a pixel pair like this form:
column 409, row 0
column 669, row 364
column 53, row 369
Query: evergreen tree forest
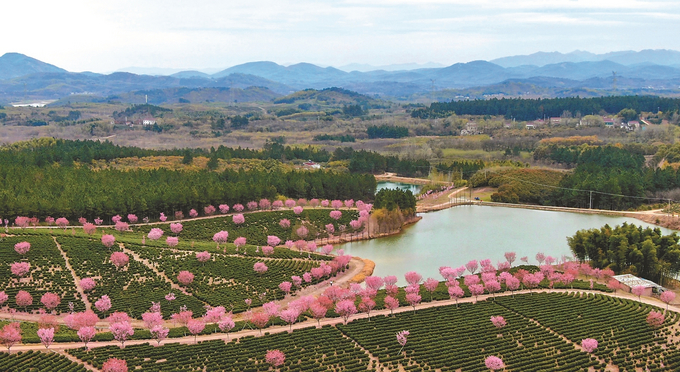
column 532, row 109
column 629, row 249
column 51, row 178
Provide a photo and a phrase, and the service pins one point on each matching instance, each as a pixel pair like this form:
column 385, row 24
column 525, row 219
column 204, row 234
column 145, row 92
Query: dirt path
column 151, row 267
column 392, row 177
column 75, row 360
column 76, row 280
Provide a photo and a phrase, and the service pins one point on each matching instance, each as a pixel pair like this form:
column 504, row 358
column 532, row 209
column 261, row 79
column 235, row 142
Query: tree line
column 532, row 109
column 363, row 161
column 74, row 192
column 629, row 249
column 386, row 131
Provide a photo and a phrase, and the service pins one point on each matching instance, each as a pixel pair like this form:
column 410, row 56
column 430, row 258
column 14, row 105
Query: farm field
column 543, row 332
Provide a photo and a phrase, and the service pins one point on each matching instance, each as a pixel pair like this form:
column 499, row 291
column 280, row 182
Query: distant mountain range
column 655, row 71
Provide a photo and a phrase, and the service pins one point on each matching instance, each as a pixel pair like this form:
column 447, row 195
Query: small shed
column 629, row 281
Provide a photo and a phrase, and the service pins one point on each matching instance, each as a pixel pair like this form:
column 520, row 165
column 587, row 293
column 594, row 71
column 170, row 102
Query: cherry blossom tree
column 498, row 321
column 366, row 305
column 318, row 312
column 476, row 290
column 336, row 215
column 121, row 331
column 512, row 284
column 260, row 268
column 195, row 327
column 472, row 266
column 492, row 286
column 159, row 333
column 152, row 319
column 510, row 257
column 540, row 257
column 238, row 219
column 290, row 316
column 655, row 319
column 103, row 304
column 226, row 325
column 251, row 205
column 284, row 223
column 275, row 357
column 108, row 240
column 238, row 207
column 220, row 237
column 132, row 218
column 50, row 300
column 413, row 299
column 285, row 287
column 176, row 228
column 10, row 334
column 86, row 334
column 215, row 315
column 162, row 217
column 430, row 286
column 239, row 242
column 402, row 339
column 23, row 299
column 413, row 278
column 494, row 363
column 209, row 210
column 203, row 256
column 87, row 284
column 22, row 247
column 20, row 268
column 638, row 290
column 170, row 297
column 155, row 233
column 89, row 228
column 345, row 309
column 267, row 250
column 172, row 241
column 260, row 320
column 327, row 249
column 298, row 209
column 193, row 213
column 589, row 344
column 223, row 208
column 119, row 259
column 391, row 303
column 302, row 232
column 185, row 277
column 273, row 240
column 46, row 336
column 667, row 297
column 456, row 292
column 62, row 222
column 121, row 226
column 336, row 204
column 183, row 316
column 115, row 365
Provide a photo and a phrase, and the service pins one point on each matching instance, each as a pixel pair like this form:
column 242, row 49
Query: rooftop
column 633, row 281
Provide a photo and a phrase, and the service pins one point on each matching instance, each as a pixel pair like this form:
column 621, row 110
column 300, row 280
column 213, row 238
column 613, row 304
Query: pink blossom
column 325, row 203
column 589, row 344
column 48, row 219
column 302, row 232
column 116, row 219
column 155, row 233
column 209, row 210
column 22, row 248
column 203, row 256
column 223, row 208
column 655, row 319
column 121, row 331
column 103, row 304
column 185, row 277
column 273, row 240
column 413, row 299
column 89, row 228
column 267, row 250
column 159, row 333
column 494, row 363
column 170, row 297
column 638, row 290
column 3, row 297
column 390, row 280
column 349, row 203
column 277, row 204
column 215, row 314
column 413, row 277
column 336, row 215
column 260, row 267
column 476, row 290
column 122, row 226
column 62, row 222
column 172, row 241
column 275, row 357
column 667, row 297
column 152, row 319
column 182, row 317
column 318, row 311
column 240, row 241
column 297, row 281
column 193, row 213
column 176, row 227
column 330, row 229
column 471, row 266
column 289, row 244
column 50, row 300
column 118, row 317
column 238, row 219
column 238, row 207
column 498, row 321
column 354, row 224
column 108, row 240
column 327, row 249
column 220, row 237
column 252, row 205
column 290, row 203
column 85, row 334
column 115, row 365
column 540, row 257
column 284, row 223
column 302, row 202
column 402, row 338
column 46, row 336
column 119, row 259
column 297, row 210
column 23, row 299
column 132, row 218
column 226, row 325
column 285, row 287
column 163, row 217
column 98, row 221
column 265, row 204
column 307, row 277
column 345, row 309
column 336, row 204
column 20, row 268
column 431, row 285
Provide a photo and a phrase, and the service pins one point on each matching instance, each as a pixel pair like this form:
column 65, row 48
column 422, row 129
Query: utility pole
column 591, row 199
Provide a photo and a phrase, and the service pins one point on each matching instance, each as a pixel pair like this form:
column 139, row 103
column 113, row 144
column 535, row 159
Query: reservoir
column 454, row 236
column 398, row 185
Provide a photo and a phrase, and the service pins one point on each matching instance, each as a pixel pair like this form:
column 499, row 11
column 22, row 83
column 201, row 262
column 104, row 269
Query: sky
column 104, row 36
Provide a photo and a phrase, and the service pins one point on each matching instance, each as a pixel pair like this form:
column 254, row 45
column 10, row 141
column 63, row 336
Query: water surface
column 454, row 236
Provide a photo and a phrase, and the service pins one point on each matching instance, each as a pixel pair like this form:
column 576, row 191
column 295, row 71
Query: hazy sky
column 104, row 36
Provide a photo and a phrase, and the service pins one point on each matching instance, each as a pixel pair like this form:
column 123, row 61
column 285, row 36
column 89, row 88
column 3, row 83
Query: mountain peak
column 14, row 65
